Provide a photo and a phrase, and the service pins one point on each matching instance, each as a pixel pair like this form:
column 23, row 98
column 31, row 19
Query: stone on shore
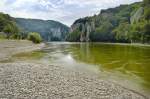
column 30, row 81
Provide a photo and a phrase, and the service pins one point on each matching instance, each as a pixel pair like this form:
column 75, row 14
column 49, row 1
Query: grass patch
column 29, row 55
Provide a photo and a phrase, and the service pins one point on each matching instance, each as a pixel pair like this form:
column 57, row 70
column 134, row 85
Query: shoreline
column 11, row 47
column 30, row 80
column 128, row 44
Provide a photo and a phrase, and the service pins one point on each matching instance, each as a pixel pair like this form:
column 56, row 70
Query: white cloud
column 65, row 11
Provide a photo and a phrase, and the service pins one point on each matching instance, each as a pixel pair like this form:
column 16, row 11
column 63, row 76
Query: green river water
column 125, row 64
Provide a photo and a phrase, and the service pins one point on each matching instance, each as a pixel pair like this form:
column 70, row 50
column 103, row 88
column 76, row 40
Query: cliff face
column 85, row 29
column 48, row 29
column 104, row 23
column 89, row 24
column 137, row 15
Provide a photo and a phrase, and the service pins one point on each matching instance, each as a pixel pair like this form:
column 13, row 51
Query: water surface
column 128, row 65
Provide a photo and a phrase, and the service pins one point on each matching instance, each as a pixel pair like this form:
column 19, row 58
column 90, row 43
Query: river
column 124, row 64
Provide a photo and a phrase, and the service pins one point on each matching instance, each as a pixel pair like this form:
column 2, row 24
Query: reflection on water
column 68, row 59
column 128, row 60
column 131, row 63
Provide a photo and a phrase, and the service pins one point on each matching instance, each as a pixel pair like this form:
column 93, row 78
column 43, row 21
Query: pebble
column 36, row 81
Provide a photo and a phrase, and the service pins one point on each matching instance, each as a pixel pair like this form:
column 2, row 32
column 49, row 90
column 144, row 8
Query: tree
column 8, row 30
column 2, row 23
column 147, row 13
column 74, row 36
column 147, row 32
column 34, row 37
column 11, row 29
column 122, row 32
column 146, row 2
column 102, row 33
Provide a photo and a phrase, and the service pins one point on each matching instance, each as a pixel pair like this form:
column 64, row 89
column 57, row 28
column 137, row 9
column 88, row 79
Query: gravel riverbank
column 35, row 81
column 11, row 47
column 21, row 80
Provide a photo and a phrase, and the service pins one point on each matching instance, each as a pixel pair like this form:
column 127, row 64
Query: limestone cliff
column 100, row 27
column 85, row 29
column 137, row 15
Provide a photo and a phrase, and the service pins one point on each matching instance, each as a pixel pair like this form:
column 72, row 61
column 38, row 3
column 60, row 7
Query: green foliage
column 135, row 33
column 147, row 32
column 34, row 37
column 4, row 20
column 147, row 12
column 147, row 9
column 106, row 22
column 8, row 25
column 102, row 33
column 146, row 2
column 31, row 55
column 122, row 32
column 126, row 23
column 10, row 29
column 74, row 36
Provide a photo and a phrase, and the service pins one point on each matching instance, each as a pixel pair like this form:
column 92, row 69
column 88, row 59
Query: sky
column 65, row 11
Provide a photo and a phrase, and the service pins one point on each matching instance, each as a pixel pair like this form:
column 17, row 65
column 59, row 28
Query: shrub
column 34, row 37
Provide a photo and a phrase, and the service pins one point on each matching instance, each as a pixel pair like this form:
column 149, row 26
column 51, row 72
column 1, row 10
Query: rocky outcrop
column 137, row 16
column 84, row 28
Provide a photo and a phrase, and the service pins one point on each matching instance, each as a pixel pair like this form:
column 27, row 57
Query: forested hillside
column 8, row 28
column 19, row 28
column 126, row 23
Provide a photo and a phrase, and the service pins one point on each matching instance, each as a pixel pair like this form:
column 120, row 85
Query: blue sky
column 65, row 11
